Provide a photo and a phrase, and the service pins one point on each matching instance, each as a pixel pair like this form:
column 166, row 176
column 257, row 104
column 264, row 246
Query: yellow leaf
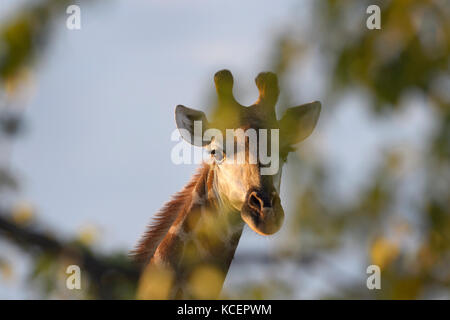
column 6, row 270
column 88, row 234
column 383, row 252
column 156, row 283
column 22, row 213
column 206, row 282
column 15, row 83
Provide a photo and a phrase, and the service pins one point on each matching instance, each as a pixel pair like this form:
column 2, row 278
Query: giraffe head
column 248, row 147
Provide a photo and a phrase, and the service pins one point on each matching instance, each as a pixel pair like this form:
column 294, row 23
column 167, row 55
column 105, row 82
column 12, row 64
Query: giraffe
column 187, row 250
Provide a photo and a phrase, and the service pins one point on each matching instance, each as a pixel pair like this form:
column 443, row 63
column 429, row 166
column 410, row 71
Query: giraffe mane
column 164, row 219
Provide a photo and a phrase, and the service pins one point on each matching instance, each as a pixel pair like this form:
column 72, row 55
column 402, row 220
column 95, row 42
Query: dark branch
column 98, row 267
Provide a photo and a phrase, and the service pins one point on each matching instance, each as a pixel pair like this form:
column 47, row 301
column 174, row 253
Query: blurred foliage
column 25, row 35
column 104, row 276
column 23, row 38
column 411, row 52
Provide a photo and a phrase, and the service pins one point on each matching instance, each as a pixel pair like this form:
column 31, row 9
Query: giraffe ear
column 299, row 122
column 191, row 124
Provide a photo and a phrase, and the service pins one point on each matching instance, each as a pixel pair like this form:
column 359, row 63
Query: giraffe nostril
column 255, row 202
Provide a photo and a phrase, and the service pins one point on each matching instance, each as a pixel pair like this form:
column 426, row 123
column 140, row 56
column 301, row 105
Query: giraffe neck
column 197, row 250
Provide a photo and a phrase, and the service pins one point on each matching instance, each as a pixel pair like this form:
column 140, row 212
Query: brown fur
column 165, row 218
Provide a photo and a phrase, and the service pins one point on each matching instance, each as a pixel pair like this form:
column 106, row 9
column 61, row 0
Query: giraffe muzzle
column 263, row 214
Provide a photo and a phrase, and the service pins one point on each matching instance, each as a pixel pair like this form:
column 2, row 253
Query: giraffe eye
column 218, row 155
